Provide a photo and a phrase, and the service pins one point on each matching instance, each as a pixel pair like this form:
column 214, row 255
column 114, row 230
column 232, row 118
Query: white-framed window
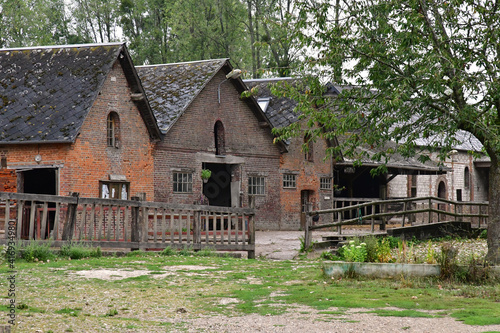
column 114, row 190
column 289, row 180
column 325, row 183
column 182, row 182
column 256, row 185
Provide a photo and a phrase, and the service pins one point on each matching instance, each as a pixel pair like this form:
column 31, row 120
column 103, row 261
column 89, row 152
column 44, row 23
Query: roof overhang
column 394, row 169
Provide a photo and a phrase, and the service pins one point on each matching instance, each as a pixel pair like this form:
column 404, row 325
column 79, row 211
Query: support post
column 134, row 224
column 251, row 235
column 69, row 226
column 308, row 236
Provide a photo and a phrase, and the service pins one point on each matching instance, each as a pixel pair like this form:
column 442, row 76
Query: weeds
column 76, row 250
column 37, row 251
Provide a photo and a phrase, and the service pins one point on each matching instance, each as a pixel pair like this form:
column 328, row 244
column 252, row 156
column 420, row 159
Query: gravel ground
column 285, row 245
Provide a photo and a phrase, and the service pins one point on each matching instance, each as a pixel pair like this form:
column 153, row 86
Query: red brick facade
column 190, row 146
column 307, row 171
column 80, row 166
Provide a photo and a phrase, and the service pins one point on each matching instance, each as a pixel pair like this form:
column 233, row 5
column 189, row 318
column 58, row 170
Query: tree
column 34, row 22
column 96, row 19
column 424, row 69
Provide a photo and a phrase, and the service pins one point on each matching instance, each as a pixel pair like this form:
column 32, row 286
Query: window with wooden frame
column 413, row 186
column 325, row 183
column 256, row 185
column 220, row 140
column 114, row 190
column 466, row 178
column 308, row 148
column 182, row 182
column 289, row 180
column 113, row 130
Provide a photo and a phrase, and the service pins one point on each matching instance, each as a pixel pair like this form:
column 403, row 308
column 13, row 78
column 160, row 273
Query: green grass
column 56, row 298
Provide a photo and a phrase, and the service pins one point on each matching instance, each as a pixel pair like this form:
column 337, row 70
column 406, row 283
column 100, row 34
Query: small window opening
column 466, row 178
column 219, row 137
column 113, row 130
column 308, row 148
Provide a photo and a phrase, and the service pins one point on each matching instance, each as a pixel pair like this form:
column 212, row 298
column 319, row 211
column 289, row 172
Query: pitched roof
column 279, row 110
column 171, row 88
column 47, row 92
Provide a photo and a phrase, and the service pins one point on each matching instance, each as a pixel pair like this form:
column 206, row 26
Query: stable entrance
column 218, row 188
column 37, row 181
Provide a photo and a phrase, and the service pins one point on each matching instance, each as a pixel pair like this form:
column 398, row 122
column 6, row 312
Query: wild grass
column 56, row 298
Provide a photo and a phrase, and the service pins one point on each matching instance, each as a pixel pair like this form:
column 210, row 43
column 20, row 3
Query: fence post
column 307, row 236
column 134, row 224
column 251, row 234
column 69, row 226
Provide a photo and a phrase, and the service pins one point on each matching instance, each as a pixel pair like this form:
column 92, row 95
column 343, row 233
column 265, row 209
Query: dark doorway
column 442, row 195
column 38, row 181
column 356, row 183
column 218, row 188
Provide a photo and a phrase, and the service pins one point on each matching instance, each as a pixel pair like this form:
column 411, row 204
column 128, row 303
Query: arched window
column 466, row 178
column 308, row 148
column 220, row 141
column 113, row 130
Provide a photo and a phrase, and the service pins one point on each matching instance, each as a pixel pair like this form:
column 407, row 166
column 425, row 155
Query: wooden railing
column 132, row 224
column 411, row 211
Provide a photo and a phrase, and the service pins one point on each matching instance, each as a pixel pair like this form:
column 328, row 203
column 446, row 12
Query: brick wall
column 308, row 174
column 427, row 185
column 88, row 160
column 249, row 150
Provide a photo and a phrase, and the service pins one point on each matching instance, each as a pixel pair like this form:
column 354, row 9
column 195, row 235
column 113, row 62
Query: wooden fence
column 411, row 211
column 132, row 224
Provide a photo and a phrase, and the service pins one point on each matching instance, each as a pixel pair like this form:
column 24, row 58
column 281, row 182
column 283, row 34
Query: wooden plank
column 7, row 218
column 163, row 225
column 92, row 223
column 243, row 230
column 125, row 224
column 207, row 225
column 188, row 227
column 155, row 224
column 57, row 217
column 83, row 223
column 237, row 229
column 229, row 227
column 180, row 227
column 44, row 220
column 109, row 222
column 101, row 221
column 171, row 226
column 32, row 220
column 117, row 222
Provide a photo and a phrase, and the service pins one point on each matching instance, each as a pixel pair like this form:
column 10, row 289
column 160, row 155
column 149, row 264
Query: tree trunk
column 493, row 255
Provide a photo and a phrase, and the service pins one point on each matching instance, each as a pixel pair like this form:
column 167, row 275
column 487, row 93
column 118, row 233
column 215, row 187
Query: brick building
column 208, row 125
column 466, row 180
column 306, row 174
column 75, row 119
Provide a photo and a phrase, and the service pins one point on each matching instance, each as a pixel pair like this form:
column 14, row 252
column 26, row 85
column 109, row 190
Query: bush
column 36, row 251
column 371, row 248
column 80, row 250
column 384, row 250
column 168, row 251
column 355, row 251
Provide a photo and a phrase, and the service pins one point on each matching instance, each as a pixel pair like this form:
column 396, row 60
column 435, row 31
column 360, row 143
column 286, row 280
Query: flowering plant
column 353, row 252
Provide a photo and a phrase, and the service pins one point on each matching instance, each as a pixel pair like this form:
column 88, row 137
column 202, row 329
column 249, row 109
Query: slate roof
column 279, row 110
column 47, row 92
column 171, row 88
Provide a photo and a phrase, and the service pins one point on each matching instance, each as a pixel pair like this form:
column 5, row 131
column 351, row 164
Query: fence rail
column 130, row 224
column 411, row 211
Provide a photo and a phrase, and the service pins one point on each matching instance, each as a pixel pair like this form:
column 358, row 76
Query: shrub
column 36, row 251
column 384, row 250
column 371, row 248
column 168, row 251
column 355, row 251
column 75, row 250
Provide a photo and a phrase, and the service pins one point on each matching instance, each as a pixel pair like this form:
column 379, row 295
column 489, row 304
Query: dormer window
column 220, row 141
column 113, row 130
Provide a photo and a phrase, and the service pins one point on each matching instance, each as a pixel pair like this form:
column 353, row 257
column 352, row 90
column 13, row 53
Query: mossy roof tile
column 46, row 92
column 171, row 88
